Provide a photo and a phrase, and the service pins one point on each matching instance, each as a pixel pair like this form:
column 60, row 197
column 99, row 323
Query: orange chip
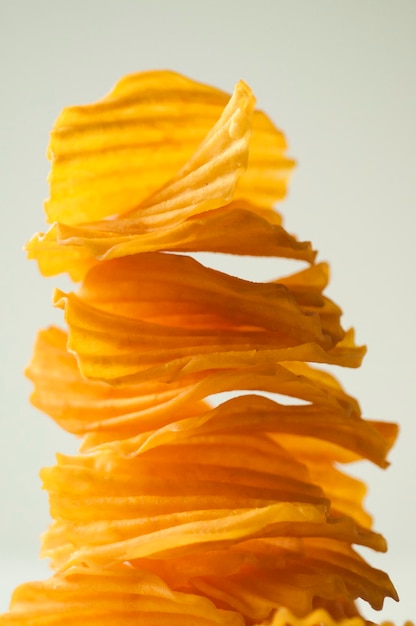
column 185, row 507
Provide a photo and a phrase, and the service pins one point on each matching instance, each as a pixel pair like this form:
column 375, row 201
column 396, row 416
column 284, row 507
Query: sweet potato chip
column 185, row 507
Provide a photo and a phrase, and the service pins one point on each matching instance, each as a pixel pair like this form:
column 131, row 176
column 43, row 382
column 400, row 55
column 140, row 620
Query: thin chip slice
column 110, row 597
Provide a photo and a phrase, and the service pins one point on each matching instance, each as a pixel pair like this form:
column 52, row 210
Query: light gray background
column 339, row 78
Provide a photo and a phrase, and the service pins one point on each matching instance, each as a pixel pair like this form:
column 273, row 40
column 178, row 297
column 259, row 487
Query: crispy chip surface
column 184, row 506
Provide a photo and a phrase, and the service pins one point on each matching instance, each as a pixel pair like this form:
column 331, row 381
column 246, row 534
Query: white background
column 339, row 78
